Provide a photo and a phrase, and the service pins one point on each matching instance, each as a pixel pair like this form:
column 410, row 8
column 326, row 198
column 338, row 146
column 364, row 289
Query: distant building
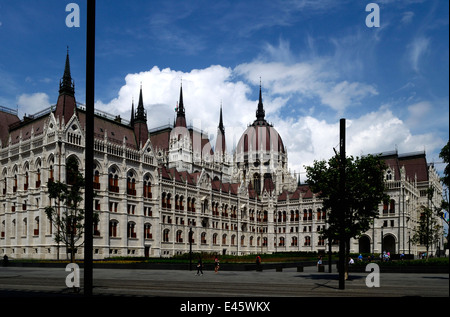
column 153, row 187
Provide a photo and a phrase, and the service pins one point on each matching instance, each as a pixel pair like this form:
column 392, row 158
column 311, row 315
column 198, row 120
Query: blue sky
column 317, row 62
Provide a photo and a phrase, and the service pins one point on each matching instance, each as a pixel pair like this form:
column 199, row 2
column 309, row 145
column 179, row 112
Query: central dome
column 260, row 136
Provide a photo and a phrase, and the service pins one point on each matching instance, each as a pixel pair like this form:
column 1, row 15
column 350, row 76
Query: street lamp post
column 190, row 247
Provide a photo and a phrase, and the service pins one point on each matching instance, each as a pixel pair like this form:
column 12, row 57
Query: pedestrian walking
column 199, row 267
column 216, row 265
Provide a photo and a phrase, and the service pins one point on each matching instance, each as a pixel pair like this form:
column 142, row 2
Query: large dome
column 260, row 137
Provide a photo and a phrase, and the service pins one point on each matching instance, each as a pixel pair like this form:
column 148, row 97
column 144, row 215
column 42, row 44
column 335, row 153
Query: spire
column 220, row 147
column 66, row 85
column 260, row 113
column 132, row 112
column 140, row 122
column 66, row 104
column 141, row 115
column 180, row 110
column 181, row 118
column 221, row 127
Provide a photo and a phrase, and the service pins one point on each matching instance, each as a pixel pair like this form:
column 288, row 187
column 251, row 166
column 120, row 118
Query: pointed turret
column 66, row 84
column 141, row 114
column 181, row 118
column 132, row 113
column 140, row 122
column 220, row 147
column 66, row 104
column 260, row 113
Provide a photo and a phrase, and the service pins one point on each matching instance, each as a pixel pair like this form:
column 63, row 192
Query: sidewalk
column 233, row 284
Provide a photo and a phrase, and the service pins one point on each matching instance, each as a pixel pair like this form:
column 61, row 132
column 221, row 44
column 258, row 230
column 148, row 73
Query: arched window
column 147, row 187
column 147, row 231
column 203, row 238
column 38, row 174
column 26, row 177
column 294, row 242
column 51, row 172
column 131, row 183
column 163, row 200
column 131, row 230
column 96, row 177
column 166, row 235
column 72, row 170
column 113, row 224
column 392, row 206
column 113, row 179
column 307, row 241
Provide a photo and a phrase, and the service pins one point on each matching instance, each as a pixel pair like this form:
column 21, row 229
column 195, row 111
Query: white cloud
column 306, row 137
column 417, row 49
column 32, row 103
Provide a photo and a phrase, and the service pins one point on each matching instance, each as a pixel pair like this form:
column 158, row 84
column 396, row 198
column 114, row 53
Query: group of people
column 217, row 265
column 200, row 266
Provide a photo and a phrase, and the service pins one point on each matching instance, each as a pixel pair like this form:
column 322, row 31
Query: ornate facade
column 157, row 188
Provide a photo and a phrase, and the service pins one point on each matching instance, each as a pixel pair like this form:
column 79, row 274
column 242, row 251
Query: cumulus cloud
column 32, row 103
column 306, row 137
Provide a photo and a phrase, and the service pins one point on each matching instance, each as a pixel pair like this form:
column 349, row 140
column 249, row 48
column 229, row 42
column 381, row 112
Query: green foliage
column 364, row 190
column 66, row 212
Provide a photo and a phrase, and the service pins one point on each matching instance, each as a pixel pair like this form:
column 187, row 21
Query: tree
column 68, row 220
column 351, row 210
column 445, row 156
column 428, row 230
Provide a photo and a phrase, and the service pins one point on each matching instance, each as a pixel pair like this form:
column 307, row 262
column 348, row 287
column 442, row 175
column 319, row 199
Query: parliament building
column 157, row 188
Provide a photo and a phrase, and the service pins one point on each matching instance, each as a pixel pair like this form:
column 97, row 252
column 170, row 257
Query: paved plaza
column 29, row 281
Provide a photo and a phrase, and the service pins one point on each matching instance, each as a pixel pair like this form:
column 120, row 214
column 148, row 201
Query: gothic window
column 113, row 179
column 388, row 175
column 38, row 174
column 71, row 170
column 307, row 241
column 131, row 183
column 131, row 233
column 51, row 166
column 36, row 227
column 4, row 182
column 392, row 206
column 147, row 231
column 166, row 235
column 26, row 178
column 113, row 224
column 96, row 177
column 147, row 187
column 294, row 241
column 179, row 236
column 203, row 238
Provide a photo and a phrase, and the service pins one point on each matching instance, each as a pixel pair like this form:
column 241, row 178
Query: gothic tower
column 139, row 122
column 66, row 104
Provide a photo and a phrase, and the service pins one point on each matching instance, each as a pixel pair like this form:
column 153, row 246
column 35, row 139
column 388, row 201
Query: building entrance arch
column 364, row 244
column 389, row 243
